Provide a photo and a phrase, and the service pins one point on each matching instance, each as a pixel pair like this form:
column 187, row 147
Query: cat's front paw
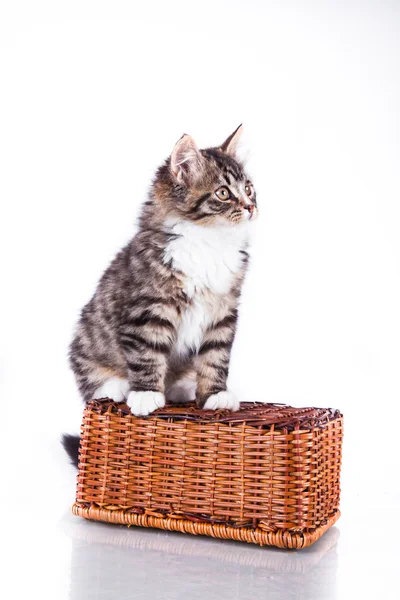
column 222, row 400
column 144, row 403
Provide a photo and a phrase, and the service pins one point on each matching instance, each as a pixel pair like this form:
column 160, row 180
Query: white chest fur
column 209, row 258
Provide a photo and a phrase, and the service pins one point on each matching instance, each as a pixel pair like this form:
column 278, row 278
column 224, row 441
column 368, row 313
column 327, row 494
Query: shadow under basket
column 268, row 474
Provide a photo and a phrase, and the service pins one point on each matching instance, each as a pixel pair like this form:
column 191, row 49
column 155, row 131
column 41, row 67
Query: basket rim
column 257, row 414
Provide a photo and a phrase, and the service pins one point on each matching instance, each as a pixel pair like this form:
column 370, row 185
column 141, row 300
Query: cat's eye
column 248, row 189
column 223, row 193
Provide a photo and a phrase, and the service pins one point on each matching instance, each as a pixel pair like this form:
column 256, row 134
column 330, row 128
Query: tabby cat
column 163, row 318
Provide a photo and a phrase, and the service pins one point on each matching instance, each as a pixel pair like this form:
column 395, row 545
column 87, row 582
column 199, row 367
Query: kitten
column 163, row 318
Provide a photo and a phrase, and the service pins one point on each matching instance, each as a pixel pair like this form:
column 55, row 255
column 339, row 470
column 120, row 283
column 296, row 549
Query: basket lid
column 257, row 414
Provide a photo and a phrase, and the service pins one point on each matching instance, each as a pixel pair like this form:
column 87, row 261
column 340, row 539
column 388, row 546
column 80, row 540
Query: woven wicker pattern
column 268, row 470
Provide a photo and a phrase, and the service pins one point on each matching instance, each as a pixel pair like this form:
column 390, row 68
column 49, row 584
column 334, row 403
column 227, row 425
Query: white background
column 93, row 97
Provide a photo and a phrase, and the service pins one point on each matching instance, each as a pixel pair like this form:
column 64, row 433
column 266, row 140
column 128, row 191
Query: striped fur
column 163, row 318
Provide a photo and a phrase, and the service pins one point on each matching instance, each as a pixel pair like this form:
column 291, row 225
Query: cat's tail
column 71, row 447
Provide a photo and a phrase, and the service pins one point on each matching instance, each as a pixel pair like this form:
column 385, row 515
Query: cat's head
column 207, row 187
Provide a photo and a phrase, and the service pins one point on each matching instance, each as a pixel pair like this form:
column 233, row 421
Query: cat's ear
column 231, row 143
column 186, row 160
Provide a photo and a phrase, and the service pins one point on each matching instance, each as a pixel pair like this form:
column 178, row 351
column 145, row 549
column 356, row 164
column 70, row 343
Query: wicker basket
column 268, row 474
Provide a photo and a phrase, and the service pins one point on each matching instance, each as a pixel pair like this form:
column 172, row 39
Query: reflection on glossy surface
column 109, row 561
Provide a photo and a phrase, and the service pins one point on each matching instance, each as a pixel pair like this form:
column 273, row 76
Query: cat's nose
column 250, row 208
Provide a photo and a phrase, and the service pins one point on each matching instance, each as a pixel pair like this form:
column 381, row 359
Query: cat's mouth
column 249, row 212
column 252, row 213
